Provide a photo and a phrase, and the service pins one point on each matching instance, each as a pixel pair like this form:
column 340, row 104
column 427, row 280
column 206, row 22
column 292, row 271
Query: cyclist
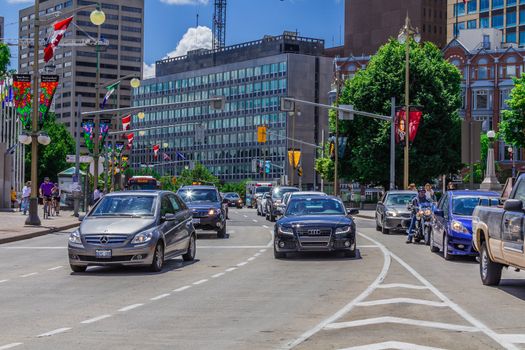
column 55, row 193
column 46, row 189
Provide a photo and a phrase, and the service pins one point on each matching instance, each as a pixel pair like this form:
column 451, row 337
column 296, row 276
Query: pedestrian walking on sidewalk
column 13, row 198
column 96, row 195
column 26, row 193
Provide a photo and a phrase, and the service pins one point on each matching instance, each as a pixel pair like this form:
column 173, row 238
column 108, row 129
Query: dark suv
column 273, row 203
column 206, row 206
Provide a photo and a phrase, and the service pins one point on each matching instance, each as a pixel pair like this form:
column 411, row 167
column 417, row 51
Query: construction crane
column 219, row 24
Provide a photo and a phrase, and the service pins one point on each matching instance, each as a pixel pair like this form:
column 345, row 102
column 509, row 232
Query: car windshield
column 231, row 195
column 314, row 206
column 399, row 199
column 262, row 189
column 278, row 193
column 464, row 205
column 199, row 195
column 125, row 206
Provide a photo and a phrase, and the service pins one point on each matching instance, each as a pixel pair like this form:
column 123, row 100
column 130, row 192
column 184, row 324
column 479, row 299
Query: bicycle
column 52, row 207
column 46, row 208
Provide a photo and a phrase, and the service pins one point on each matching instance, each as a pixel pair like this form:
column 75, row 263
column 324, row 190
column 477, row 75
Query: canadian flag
column 130, row 137
column 59, row 29
column 125, row 122
column 156, row 151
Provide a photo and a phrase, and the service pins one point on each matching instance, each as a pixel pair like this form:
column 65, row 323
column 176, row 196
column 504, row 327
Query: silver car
column 133, row 228
column 392, row 213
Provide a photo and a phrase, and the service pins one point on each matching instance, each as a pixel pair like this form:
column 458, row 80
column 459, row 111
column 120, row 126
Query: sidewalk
column 366, row 214
column 13, row 228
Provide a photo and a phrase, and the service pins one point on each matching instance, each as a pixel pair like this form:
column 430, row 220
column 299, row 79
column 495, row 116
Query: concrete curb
column 364, row 217
column 37, row 233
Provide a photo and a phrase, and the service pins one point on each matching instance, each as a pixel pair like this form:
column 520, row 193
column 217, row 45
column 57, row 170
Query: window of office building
column 459, row 26
column 459, row 9
column 511, row 19
column 510, row 37
column 511, row 2
column 484, row 5
column 472, row 24
column 497, row 21
column 522, row 38
column 472, row 6
column 522, row 16
column 497, row 4
column 484, row 22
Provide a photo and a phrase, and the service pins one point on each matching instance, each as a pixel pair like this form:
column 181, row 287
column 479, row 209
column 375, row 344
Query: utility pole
column 76, row 192
column 96, row 132
column 393, row 145
column 336, row 160
column 33, row 218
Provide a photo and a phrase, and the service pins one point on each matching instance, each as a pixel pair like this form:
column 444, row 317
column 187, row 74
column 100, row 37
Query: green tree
column 434, row 85
column 199, row 174
column 5, row 58
column 52, row 158
column 512, row 125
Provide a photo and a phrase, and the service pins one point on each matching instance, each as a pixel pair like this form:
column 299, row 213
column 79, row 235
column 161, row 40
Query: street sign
column 100, row 166
column 346, row 115
column 287, row 105
column 71, row 158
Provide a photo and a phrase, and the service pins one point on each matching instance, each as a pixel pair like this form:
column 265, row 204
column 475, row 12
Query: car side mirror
column 352, row 211
column 81, row 217
column 513, row 205
column 439, row 212
column 169, row 217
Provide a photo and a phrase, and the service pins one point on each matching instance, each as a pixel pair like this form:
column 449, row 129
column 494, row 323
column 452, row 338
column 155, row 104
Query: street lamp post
column 406, row 33
column 511, row 153
column 490, row 183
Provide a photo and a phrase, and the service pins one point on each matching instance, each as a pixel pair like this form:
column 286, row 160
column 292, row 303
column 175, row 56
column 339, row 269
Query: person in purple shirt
column 46, row 189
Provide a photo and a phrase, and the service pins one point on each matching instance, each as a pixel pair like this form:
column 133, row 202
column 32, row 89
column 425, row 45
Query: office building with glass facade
column 252, row 77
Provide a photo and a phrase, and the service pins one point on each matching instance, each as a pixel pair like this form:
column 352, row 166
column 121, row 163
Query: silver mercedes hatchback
column 141, row 228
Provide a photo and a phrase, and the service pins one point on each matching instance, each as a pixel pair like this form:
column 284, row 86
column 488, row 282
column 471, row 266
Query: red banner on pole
column 48, row 87
column 400, row 122
column 22, row 97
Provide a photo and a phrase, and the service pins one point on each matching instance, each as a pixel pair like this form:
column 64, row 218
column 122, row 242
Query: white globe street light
column 491, row 134
column 141, row 115
column 44, row 139
column 97, row 17
column 24, row 139
column 135, row 83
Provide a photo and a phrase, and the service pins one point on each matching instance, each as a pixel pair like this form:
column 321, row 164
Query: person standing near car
column 26, row 193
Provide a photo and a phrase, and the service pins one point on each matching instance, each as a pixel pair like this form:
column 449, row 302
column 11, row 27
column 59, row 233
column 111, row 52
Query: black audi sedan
column 315, row 224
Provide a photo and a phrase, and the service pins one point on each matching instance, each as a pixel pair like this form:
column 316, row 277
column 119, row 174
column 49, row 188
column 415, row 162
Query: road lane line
column 254, row 220
column 251, row 259
column 231, row 269
column 368, row 246
column 231, row 246
column 29, row 274
column 2, row 281
column 245, row 216
column 158, row 297
column 181, row 289
column 218, row 274
column 265, row 226
column 257, row 254
column 56, row 331
column 55, row 268
column 95, row 319
column 262, row 250
column 402, row 301
column 200, row 282
column 392, row 345
column 399, row 320
column 401, row 285
column 242, row 263
column 130, row 307
column 9, row 346
column 12, row 248
column 513, row 338
column 348, row 307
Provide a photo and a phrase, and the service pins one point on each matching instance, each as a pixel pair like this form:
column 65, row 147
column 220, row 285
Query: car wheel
column 378, row 228
column 158, row 258
column 222, row 232
column 384, row 230
column 278, row 255
column 446, row 254
column 192, row 249
column 433, row 248
column 272, row 217
column 489, row 271
column 78, row 268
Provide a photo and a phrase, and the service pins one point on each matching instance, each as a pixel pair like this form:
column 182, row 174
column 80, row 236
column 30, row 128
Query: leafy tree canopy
column 5, row 58
column 512, row 126
column 434, row 85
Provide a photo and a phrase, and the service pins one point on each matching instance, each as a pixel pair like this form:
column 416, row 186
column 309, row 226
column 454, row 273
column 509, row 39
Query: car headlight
column 344, row 229
column 74, row 237
column 143, row 237
column 458, row 227
column 391, row 213
column 428, row 212
column 212, row 212
column 285, row 230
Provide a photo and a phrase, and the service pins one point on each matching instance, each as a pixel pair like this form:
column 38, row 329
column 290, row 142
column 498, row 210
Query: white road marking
column 401, row 285
column 265, row 226
column 181, row 289
column 9, row 346
column 242, row 263
column 257, row 254
column 29, row 274
column 218, row 274
column 158, row 297
column 2, row 281
column 56, row 331
column 231, row 246
column 251, row 259
column 130, row 307
column 368, row 246
column 245, row 216
column 200, row 282
column 262, row 250
column 402, row 301
column 95, row 319
column 513, row 338
column 9, row 248
column 55, row 268
column 392, row 345
column 399, row 320
column 231, row 269
column 254, row 220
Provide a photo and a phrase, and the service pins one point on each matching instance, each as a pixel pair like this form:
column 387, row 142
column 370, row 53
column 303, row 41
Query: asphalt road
column 237, row 296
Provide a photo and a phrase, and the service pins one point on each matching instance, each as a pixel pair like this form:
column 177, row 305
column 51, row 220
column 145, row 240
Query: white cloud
column 195, row 38
column 185, row 2
column 19, row 1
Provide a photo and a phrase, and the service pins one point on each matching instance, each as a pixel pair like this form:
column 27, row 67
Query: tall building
column 370, row 23
column 252, row 76
column 76, row 65
column 2, row 28
column 506, row 15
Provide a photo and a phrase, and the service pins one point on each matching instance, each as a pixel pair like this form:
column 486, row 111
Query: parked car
column 133, row 228
column 315, row 224
column 274, row 201
column 260, row 203
column 233, row 200
column 206, row 207
column 497, row 234
column 452, row 227
column 392, row 213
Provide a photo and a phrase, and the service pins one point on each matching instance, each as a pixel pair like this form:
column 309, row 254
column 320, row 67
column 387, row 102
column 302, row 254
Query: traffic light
column 267, row 167
column 332, row 149
column 261, row 134
column 300, row 171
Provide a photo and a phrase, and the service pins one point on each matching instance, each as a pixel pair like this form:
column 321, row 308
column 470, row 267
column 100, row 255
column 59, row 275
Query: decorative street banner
column 413, row 122
column 119, row 146
column 48, row 86
column 88, row 127
column 342, row 146
column 104, row 129
column 22, row 97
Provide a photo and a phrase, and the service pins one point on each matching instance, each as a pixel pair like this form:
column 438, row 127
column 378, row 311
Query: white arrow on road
column 392, row 345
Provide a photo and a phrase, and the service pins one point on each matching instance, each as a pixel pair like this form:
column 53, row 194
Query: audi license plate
column 196, row 221
column 103, row 253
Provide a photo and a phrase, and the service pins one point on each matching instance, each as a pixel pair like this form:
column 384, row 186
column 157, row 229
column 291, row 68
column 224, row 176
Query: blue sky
column 167, row 21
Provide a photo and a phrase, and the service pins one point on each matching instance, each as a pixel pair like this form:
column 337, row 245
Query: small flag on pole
column 59, row 29
column 125, row 122
column 156, row 151
column 180, row 156
column 110, row 91
column 165, row 156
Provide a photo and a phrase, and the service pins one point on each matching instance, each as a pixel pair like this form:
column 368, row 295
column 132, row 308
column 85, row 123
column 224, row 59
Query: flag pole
column 456, row 32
